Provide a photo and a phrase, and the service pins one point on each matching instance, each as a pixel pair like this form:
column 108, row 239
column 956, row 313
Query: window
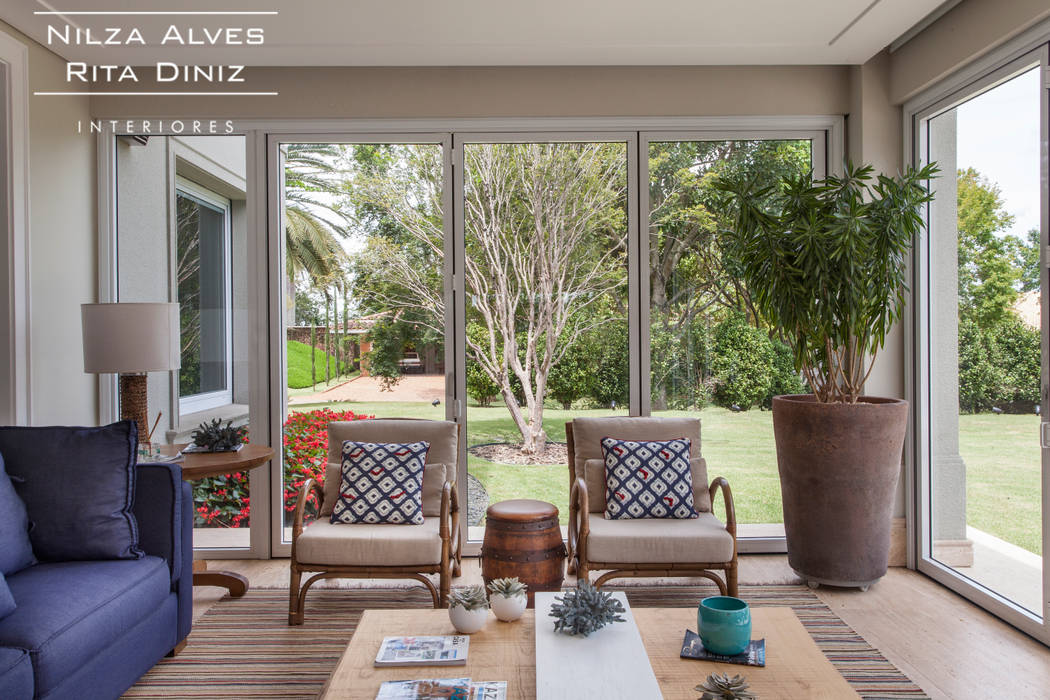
column 204, row 295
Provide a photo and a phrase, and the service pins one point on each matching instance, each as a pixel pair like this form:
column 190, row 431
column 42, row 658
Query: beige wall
column 964, row 33
column 515, row 92
column 62, row 244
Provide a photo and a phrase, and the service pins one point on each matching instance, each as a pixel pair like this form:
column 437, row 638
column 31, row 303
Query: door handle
column 1044, row 434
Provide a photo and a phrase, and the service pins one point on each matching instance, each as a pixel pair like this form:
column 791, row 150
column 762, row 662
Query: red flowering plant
column 223, row 501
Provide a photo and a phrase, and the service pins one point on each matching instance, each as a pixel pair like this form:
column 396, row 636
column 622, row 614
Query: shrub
column 680, row 361
column 479, row 386
column 742, row 363
column 785, row 378
column 607, row 364
column 570, row 378
column 224, row 501
column 998, row 365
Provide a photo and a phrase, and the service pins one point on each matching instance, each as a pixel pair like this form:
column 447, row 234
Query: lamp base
column 133, row 405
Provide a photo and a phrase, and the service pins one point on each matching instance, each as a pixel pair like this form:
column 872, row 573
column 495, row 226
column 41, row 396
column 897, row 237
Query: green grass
column 299, row 374
column 1001, row 454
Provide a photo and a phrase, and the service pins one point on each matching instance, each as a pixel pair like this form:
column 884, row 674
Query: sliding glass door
column 983, row 344
column 507, row 281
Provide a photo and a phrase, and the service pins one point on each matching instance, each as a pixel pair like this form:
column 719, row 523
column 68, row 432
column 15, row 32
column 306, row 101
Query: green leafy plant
column 719, row 686
column 743, row 363
column 825, row 263
column 218, row 437
column 507, row 587
column 469, row 597
column 585, row 609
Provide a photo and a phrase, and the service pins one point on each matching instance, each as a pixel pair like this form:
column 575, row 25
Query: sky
column 998, row 135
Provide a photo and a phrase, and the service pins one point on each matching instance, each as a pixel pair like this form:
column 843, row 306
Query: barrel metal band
column 515, row 526
column 558, row 552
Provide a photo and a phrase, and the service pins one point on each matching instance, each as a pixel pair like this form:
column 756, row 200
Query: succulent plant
column 585, row 609
column 469, row 597
column 218, row 437
column 507, row 587
column 719, row 686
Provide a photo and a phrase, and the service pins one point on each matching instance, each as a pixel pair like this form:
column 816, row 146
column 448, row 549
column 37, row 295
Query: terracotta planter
column 839, row 465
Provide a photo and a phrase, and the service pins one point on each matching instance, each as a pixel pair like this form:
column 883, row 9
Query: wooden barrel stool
column 522, row 539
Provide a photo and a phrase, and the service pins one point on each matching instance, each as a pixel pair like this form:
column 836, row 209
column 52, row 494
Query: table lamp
column 131, row 339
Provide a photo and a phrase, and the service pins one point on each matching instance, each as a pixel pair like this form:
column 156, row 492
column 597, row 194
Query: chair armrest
column 164, row 512
column 720, row 483
column 445, row 526
column 300, row 506
column 579, row 522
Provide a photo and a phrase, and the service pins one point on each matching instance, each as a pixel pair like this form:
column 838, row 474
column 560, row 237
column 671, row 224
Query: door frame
column 997, row 68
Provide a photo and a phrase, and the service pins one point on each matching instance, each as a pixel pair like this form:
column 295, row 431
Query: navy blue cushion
column 16, row 674
column 648, row 479
column 382, row 483
column 7, row 601
column 16, row 552
column 78, row 485
column 69, row 612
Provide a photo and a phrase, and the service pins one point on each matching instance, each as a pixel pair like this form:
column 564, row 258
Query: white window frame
column 205, row 197
column 985, row 73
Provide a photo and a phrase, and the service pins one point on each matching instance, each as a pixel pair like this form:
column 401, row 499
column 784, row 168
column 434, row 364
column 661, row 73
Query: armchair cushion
column 363, row 544
column 648, row 479
column 78, row 486
column 587, row 439
column 382, row 482
column 444, row 450
column 16, row 552
column 659, row 541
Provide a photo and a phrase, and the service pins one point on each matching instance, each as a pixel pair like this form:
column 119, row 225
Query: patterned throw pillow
column 382, row 483
column 648, row 479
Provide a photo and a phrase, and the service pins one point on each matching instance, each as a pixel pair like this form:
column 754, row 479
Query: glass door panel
column 545, row 231
column 711, row 353
column 364, row 294
column 985, row 328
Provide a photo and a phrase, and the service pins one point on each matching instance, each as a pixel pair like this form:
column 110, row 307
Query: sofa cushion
column 78, row 485
column 70, row 611
column 323, row 542
column 648, row 479
column 698, row 540
column 7, row 601
column 593, row 474
column 16, row 552
column 442, row 436
column 16, row 674
column 382, row 482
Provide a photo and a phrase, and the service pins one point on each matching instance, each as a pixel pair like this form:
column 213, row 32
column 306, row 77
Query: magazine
column 488, row 690
column 754, row 655
column 425, row 689
column 423, row 651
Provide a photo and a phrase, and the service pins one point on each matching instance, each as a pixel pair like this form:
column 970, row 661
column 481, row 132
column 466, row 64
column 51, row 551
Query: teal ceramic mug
column 725, row 625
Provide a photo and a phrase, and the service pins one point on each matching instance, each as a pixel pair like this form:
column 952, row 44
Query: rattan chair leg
column 295, row 613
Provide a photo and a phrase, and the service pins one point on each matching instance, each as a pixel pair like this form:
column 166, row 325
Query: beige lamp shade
column 130, row 338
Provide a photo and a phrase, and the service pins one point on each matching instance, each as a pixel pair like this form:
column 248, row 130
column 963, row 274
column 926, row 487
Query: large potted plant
column 825, row 264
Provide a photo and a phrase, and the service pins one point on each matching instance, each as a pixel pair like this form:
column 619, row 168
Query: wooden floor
column 947, row 645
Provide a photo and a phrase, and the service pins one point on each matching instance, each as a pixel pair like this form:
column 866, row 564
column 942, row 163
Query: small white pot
column 508, row 609
column 467, row 621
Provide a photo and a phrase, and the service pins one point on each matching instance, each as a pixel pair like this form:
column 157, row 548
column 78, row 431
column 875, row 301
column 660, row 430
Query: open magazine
column 423, row 651
column 445, row 688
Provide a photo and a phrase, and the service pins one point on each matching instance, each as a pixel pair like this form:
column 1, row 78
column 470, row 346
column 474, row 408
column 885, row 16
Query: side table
column 523, row 540
column 201, row 465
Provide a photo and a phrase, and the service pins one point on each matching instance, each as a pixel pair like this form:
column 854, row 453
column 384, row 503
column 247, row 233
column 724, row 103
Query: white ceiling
column 497, row 32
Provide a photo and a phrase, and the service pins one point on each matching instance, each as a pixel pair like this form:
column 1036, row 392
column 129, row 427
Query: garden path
column 412, row 387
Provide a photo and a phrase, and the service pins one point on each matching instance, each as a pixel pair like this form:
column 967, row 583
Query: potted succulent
column 468, row 608
column 216, row 437
column 825, row 265
column 508, row 598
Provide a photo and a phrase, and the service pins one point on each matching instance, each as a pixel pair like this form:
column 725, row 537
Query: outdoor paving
column 412, row 387
column 1010, row 571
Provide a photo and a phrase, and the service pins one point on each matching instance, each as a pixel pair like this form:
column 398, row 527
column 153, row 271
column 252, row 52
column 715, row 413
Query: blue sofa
column 91, row 628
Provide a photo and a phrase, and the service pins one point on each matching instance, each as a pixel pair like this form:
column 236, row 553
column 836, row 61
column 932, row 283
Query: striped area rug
column 244, row 648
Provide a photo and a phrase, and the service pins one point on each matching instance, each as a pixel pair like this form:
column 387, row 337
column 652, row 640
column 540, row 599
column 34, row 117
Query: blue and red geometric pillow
column 648, row 479
column 382, row 483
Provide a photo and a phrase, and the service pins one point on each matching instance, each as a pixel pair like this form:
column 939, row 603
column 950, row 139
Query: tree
column 988, row 277
column 1026, row 258
column 693, row 274
column 545, row 241
column 313, row 222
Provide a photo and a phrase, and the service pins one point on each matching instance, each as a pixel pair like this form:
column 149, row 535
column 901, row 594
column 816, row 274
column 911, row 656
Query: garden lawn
column 1001, row 454
column 299, row 374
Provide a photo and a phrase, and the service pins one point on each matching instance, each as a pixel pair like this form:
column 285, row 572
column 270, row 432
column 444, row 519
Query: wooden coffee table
column 795, row 667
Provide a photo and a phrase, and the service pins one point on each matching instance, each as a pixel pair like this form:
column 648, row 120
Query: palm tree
column 313, row 223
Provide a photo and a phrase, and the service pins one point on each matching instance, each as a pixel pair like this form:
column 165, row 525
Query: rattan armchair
column 644, row 548
column 340, row 550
